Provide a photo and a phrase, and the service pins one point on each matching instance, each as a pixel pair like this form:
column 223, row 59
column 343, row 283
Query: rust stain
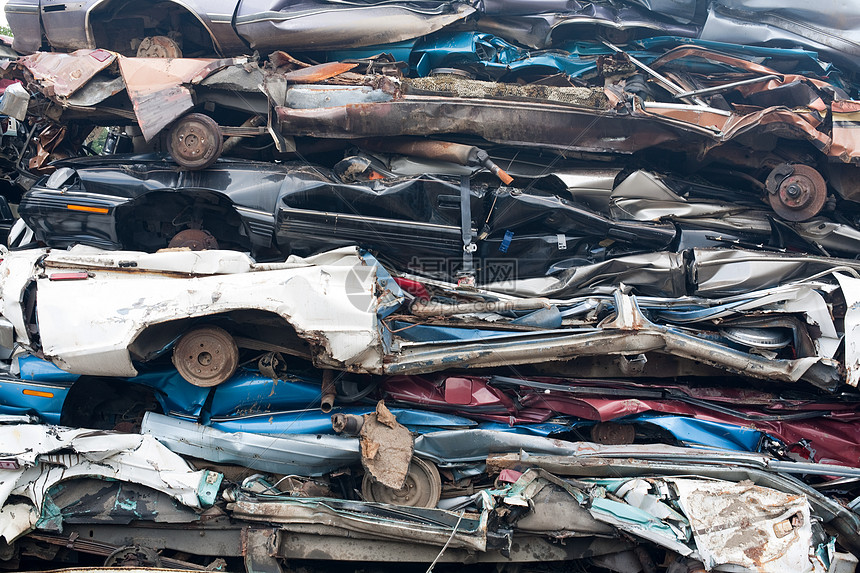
column 755, row 553
column 158, row 87
column 65, row 74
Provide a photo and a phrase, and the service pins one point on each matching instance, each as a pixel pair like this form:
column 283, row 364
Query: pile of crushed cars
column 550, row 285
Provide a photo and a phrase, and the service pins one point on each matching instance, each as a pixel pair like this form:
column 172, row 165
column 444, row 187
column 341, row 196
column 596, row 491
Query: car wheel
column 194, row 239
column 423, row 487
column 796, row 192
column 195, row 141
column 158, row 47
column 206, row 356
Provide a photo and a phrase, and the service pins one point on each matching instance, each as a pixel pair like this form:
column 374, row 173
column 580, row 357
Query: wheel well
column 253, row 324
column 107, row 404
column 149, row 222
column 121, row 24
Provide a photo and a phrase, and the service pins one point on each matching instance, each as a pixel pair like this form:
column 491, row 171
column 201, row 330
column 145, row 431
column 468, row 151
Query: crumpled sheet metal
column 722, row 523
column 831, row 438
column 643, row 196
column 829, row 27
column 555, row 507
column 710, row 273
column 851, row 292
column 653, row 520
column 634, row 461
column 749, row 526
column 728, row 272
column 96, row 91
column 386, row 447
column 338, row 517
column 540, row 30
column 158, row 87
column 42, row 453
column 302, row 454
column 566, row 127
column 14, row 100
column 64, row 74
column 583, row 124
column 630, row 332
column 357, row 344
column 783, row 79
column 653, row 274
column 268, row 25
column 48, row 140
column 119, row 503
column 716, row 128
column 451, row 447
column 731, row 418
column 576, row 121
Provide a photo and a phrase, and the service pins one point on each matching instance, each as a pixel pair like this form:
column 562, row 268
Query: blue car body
column 252, row 403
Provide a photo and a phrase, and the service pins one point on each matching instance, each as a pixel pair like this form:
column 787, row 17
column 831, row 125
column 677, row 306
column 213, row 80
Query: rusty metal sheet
column 791, row 124
column 752, row 67
column 48, row 140
column 564, row 127
column 697, row 115
column 570, row 120
column 158, row 87
column 377, row 521
column 64, row 74
column 318, row 73
column 335, row 545
column 386, row 447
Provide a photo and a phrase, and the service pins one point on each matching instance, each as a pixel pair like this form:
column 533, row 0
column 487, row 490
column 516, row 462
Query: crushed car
column 509, row 286
column 201, row 306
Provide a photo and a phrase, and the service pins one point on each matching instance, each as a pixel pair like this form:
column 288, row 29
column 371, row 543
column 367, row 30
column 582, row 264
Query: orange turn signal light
column 38, row 393
column 102, row 210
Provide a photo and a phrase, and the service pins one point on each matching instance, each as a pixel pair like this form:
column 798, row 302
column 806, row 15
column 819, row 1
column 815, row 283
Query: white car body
column 89, row 325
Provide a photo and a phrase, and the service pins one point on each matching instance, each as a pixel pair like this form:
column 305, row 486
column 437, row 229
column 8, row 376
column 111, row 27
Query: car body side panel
column 44, row 399
column 23, row 18
column 52, row 213
column 829, row 27
column 332, row 305
column 311, row 455
column 250, row 392
column 268, row 25
column 65, row 23
column 253, row 188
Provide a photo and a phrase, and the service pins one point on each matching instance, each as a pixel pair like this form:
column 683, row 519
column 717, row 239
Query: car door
column 65, row 23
